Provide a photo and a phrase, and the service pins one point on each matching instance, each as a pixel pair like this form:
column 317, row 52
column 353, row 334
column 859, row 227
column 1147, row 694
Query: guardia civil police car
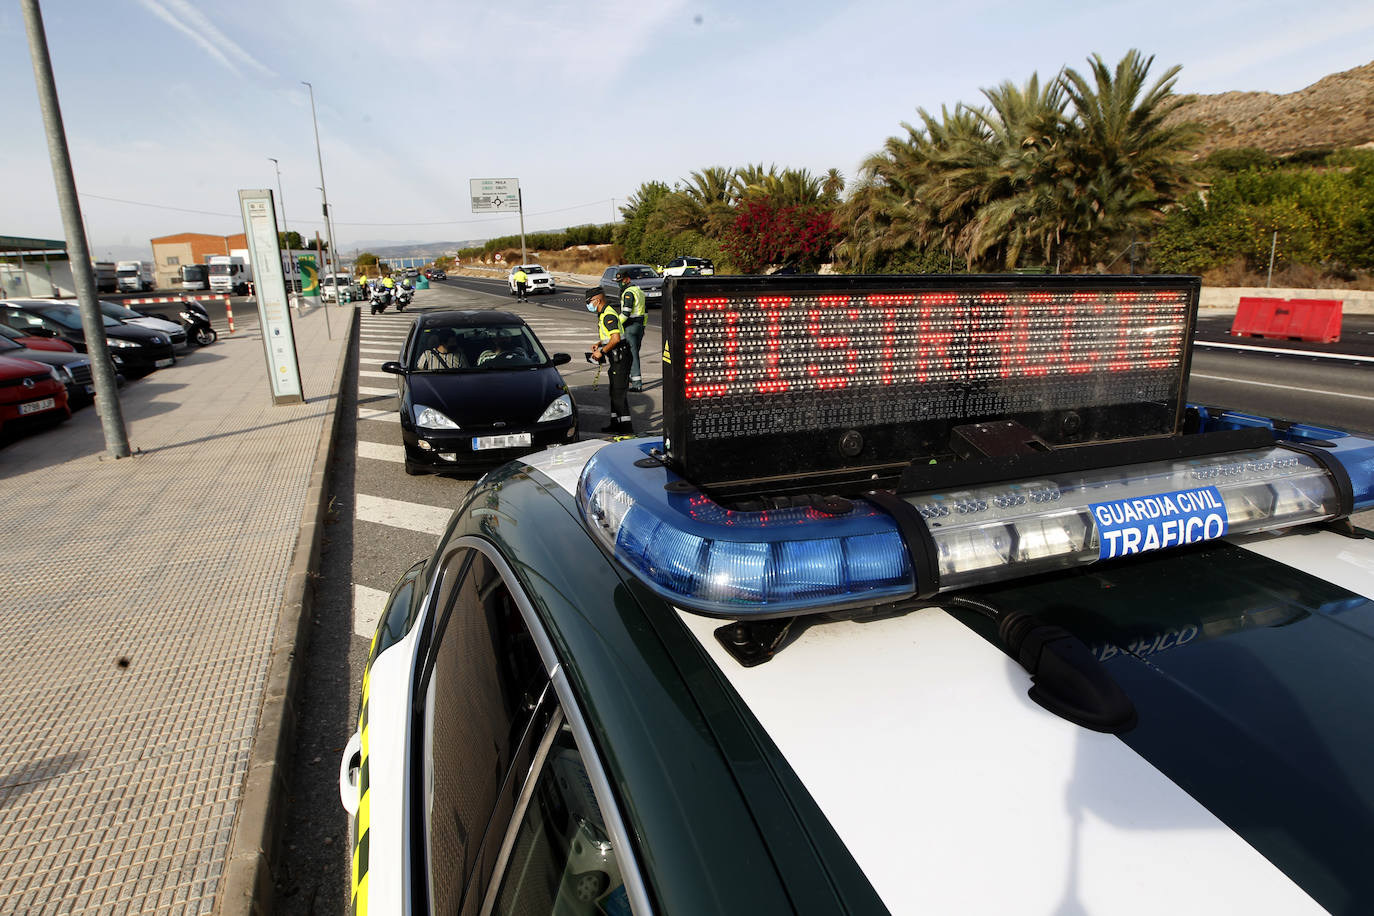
column 936, row 596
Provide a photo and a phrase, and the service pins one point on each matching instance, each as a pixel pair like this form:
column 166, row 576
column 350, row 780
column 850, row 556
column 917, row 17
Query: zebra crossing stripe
column 381, row 451
column 377, row 392
column 373, row 413
column 400, row 514
column 368, row 606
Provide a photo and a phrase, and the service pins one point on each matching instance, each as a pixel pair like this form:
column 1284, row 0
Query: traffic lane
column 1326, row 392
column 1357, row 336
column 568, row 297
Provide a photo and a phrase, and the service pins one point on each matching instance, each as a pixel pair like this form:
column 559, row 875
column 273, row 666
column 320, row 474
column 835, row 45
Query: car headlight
column 121, row 344
column 560, row 408
column 429, row 418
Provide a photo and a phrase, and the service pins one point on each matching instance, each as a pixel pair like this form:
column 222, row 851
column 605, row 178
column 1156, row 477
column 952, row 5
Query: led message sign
column 776, row 378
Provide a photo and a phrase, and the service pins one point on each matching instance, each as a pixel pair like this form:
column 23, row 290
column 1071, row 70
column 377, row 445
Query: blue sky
column 179, row 103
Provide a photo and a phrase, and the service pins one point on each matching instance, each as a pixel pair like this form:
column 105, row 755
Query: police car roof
column 907, row 749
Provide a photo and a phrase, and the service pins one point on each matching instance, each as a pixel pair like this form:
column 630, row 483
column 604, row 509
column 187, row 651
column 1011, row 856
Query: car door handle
column 350, row 765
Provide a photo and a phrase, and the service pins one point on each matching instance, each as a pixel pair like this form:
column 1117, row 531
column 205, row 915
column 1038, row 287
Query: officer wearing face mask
column 612, row 346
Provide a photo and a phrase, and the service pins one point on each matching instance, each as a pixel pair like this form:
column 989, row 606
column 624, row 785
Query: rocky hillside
column 1336, row 111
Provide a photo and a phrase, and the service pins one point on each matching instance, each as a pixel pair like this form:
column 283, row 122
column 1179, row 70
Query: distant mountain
column 394, row 249
column 1336, row 111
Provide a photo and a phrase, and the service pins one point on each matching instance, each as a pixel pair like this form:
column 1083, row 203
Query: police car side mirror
column 393, row 368
column 559, row 359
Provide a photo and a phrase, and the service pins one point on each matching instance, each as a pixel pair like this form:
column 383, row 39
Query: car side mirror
column 393, row 368
column 559, row 359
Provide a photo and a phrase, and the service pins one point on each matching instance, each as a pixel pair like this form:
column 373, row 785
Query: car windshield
column 640, row 273
column 442, row 349
column 112, row 310
column 127, row 272
column 70, row 317
column 221, row 270
column 193, row 272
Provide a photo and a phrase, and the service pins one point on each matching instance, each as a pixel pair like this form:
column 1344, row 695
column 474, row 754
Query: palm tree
column 1125, row 165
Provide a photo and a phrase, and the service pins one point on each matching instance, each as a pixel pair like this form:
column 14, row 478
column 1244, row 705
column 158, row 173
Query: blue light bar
column 704, row 557
column 1355, row 453
column 723, row 563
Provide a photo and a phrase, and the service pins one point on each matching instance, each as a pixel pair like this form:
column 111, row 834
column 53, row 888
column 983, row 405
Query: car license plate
column 515, row 440
column 163, row 363
column 48, row 404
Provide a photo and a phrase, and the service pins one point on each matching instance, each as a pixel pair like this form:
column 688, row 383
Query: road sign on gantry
column 495, row 195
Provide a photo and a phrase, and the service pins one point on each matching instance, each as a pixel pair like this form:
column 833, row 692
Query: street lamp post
column 281, row 196
column 323, row 193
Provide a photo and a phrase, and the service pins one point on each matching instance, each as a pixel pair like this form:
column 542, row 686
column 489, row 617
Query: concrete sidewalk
column 139, row 631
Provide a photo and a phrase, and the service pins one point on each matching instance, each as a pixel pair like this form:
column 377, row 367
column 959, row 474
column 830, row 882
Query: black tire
column 206, row 336
column 413, row 472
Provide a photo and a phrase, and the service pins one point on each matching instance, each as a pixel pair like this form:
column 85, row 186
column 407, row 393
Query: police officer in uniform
column 520, row 278
column 632, row 315
column 612, row 347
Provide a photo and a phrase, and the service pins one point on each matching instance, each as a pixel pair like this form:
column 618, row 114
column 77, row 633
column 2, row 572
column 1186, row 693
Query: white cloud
column 192, row 23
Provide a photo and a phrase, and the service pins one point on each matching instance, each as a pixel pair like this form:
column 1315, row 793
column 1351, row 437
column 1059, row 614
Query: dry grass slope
column 1335, row 112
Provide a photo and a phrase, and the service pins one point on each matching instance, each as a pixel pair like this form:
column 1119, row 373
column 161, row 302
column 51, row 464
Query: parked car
column 74, row 368
column 641, row 275
column 436, row 273
column 172, row 329
column 538, row 279
column 135, row 350
column 37, row 339
column 492, row 393
column 680, row 265
column 30, row 392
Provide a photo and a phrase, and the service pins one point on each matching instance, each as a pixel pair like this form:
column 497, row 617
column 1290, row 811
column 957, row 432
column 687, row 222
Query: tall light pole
column 281, row 197
column 323, row 193
column 78, row 252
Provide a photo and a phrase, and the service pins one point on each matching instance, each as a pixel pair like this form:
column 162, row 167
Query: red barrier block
column 1315, row 320
column 1312, row 320
column 1254, row 315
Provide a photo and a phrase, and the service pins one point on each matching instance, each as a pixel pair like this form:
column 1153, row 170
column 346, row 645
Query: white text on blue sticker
column 1129, row 526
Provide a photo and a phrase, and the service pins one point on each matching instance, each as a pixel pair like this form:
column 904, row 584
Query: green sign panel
column 310, row 275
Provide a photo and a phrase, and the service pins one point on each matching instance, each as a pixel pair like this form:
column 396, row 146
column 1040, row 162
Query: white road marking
column 369, row 413
column 380, row 451
column 382, row 352
column 368, row 606
column 1311, row 353
column 368, row 361
column 375, row 375
column 399, row 514
column 377, row 391
column 1241, row 381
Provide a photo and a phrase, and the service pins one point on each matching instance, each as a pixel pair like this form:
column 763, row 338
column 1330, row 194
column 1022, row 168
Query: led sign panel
column 833, row 376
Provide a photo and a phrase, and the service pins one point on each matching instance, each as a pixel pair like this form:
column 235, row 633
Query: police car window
column 485, row 684
column 560, row 858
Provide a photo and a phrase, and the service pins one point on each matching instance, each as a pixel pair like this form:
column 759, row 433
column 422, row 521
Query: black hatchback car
column 136, row 351
column 478, row 388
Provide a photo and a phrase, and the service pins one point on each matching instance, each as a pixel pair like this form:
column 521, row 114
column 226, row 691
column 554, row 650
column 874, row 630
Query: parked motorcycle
column 403, row 297
column 196, row 320
column 381, row 298
column 193, row 317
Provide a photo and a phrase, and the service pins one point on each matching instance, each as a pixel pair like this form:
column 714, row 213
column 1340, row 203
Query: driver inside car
column 503, row 346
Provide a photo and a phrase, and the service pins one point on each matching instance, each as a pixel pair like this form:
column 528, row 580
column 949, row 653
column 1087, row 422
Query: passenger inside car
column 443, row 354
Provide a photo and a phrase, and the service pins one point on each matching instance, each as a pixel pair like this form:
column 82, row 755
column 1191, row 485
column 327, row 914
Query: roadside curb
column 247, row 888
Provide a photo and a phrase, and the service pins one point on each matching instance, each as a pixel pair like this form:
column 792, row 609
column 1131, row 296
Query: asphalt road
column 382, row 520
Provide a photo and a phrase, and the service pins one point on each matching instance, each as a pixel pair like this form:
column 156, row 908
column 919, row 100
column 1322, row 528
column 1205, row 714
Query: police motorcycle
column 381, row 298
column 403, row 296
